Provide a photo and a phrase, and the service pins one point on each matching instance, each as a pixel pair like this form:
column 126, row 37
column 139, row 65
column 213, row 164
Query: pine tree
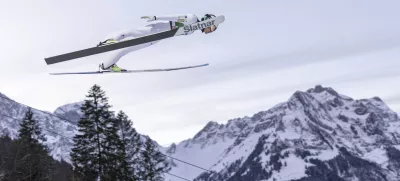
column 30, row 131
column 62, row 171
column 94, row 153
column 31, row 159
column 130, row 147
column 153, row 162
column 113, row 152
column 7, row 158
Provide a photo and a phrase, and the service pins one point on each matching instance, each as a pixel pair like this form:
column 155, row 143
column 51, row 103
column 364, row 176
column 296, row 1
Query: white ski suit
column 167, row 23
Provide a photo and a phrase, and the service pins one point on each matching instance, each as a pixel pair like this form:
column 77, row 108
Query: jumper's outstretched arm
column 175, row 18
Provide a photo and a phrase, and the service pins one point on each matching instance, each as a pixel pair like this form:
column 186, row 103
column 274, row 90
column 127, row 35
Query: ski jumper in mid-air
column 166, row 23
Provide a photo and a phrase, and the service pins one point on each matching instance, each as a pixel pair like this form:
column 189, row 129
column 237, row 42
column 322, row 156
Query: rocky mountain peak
column 208, row 130
column 171, row 149
column 70, row 111
column 313, row 128
column 319, row 89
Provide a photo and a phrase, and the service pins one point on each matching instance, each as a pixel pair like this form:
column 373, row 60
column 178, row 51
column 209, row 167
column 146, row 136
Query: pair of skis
column 133, row 42
column 132, row 71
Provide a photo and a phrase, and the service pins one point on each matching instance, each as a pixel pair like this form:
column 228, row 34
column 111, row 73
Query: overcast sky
column 263, row 52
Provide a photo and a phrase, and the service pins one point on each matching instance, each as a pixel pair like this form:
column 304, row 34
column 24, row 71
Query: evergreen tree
column 130, row 147
column 153, row 162
column 30, row 131
column 62, row 171
column 117, row 167
column 31, row 158
column 94, row 153
column 7, row 150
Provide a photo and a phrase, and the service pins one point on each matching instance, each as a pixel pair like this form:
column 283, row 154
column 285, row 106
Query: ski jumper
column 167, row 23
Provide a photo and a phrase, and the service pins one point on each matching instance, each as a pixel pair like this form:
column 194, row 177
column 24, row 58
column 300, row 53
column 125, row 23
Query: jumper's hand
column 181, row 20
column 149, row 18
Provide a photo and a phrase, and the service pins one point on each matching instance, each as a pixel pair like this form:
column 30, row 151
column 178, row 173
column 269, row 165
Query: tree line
column 106, row 148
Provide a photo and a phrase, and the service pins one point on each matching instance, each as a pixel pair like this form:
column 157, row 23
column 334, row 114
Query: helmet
column 207, row 16
column 208, row 29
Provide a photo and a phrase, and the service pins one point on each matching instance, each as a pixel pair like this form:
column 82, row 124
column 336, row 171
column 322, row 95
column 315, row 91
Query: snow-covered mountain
column 71, row 112
column 58, row 131
column 316, row 135
column 59, row 126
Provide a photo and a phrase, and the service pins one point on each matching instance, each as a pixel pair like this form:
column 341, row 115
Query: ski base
column 131, row 71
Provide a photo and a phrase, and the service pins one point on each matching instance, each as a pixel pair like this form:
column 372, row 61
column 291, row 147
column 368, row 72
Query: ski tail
column 110, row 47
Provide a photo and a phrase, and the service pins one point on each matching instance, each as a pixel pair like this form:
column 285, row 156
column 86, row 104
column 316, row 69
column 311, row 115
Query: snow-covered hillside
column 316, row 135
column 71, row 112
column 59, row 126
column 58, row 131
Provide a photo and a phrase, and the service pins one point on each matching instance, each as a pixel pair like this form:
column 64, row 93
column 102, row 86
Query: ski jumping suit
column 168, row 22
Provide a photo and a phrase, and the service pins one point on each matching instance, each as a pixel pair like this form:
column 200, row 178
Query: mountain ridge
column 317, row 134
column 320, row 120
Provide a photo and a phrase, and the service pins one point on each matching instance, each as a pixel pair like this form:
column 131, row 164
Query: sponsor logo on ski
column 198, row 26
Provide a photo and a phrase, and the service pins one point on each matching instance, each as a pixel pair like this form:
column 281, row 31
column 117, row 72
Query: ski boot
column 107, row 42
column 115, row 68
column 178, row 25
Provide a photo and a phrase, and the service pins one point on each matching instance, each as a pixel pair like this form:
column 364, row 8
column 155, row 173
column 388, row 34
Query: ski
column 137, row 41
column 131, row 71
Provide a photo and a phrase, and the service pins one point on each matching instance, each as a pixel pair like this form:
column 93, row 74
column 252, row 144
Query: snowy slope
column 206, row 147
column 71, row 112
column 11, row 114
column 292, row 139
column 59, row 126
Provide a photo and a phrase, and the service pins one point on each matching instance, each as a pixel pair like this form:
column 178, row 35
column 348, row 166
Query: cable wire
column 177, row 176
